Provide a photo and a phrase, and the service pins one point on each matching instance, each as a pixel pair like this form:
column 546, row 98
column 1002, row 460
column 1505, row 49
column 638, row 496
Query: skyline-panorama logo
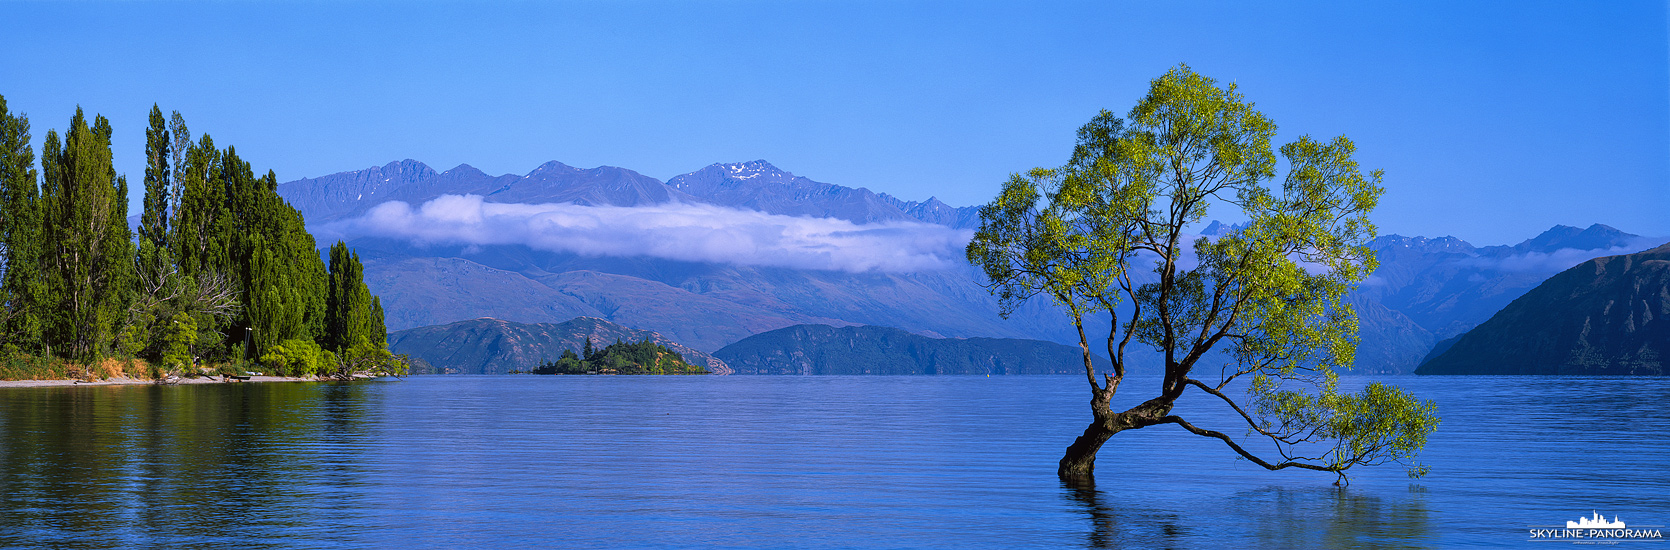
column 1596, row 529
column 1598, row 522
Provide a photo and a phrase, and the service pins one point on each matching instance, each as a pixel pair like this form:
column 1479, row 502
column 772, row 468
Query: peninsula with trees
column 496, row 346
column 642, row 357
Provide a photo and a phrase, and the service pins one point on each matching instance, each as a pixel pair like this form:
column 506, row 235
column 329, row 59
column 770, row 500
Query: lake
column 787, row 462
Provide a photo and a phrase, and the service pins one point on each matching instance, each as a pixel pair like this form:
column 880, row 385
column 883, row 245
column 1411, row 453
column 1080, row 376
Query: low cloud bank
column 1537, row 263
column 1558, row 260
column 674, row 231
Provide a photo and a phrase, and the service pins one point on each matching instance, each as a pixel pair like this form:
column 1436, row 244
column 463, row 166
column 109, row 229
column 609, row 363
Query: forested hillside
column 221, row 270
column 1605, row 317
column 822, row 349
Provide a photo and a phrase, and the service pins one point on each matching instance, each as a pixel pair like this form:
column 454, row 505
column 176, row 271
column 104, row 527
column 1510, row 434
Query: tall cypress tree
column 348, row 305
column 379, row 331
column 154, row 266
column 197, row 236
column 180, row 141
column 88, row 246
column 153, row 223
column 20, row 284
column 197, row 246
column 285, row 279
column 231, row 225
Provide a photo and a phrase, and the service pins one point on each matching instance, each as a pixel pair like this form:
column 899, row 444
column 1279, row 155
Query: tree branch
column 1174, row 419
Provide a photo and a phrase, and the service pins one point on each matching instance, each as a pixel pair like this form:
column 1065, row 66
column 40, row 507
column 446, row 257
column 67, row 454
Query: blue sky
column 1493, row 120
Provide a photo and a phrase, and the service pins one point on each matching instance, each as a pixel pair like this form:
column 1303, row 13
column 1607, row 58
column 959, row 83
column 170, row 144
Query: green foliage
column 177, row 341
column 1105, row 234
column 218, row 255
column 1376, row 425
column 299, row 357
column 88, row 250
column 285, row 298
column 197, row 240
column 22, row 288
column 153, row 223
column 133, row 338
column 348, row 304
column 645, row 357
column 367, row 357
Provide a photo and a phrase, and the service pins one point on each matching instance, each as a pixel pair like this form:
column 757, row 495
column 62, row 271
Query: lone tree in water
column 1268, row 297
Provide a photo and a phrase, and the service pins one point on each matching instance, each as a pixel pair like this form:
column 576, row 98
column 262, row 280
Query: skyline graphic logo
column 1597, row 522
column 1596, row 529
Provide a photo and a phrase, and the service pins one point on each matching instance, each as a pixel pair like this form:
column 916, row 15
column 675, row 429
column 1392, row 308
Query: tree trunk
column 1080, row 459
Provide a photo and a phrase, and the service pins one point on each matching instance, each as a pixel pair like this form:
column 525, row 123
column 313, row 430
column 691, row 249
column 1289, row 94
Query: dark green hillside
column 822, row 349
column 1607, row 316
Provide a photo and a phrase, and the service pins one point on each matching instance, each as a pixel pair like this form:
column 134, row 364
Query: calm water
column 783, row 462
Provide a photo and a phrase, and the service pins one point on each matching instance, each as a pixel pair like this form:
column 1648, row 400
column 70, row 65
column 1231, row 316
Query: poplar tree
column 20, row 285
column 180, row 141
column 218, row 255
column 379, row 330
column 285, row 278
column 194, row 239
column 348, row 305
column 88, row 246
column 197, row 247
column 156, row 278
column 153, row 222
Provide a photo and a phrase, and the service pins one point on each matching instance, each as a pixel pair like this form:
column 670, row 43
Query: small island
column 644, row 357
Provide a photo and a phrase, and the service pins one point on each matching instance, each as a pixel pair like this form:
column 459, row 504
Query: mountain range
column 1425, row 290
column 702, row 304
column 753, row 185
column 1606, row 316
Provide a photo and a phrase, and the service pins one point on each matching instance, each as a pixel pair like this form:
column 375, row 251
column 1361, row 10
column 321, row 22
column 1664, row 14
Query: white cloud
column 675, row 231
column 1557, row 261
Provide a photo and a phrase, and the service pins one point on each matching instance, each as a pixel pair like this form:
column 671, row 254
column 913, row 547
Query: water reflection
column 1121, row 526
column 767, row 462
column 109, row 467
column 1277, row 517
column 1327, row 517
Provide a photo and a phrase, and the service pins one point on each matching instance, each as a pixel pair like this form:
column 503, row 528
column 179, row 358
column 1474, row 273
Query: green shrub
column 365, row 357
column 299, row 357
column 177, row 341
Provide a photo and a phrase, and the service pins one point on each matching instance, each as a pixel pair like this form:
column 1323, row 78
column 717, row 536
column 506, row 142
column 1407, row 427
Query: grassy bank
column 20, row 366
column 29, row 367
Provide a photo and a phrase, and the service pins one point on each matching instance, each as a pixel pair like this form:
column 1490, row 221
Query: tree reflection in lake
column 768, row 462
column 1122, row 526
column 112, row 466
column 1277, row 517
